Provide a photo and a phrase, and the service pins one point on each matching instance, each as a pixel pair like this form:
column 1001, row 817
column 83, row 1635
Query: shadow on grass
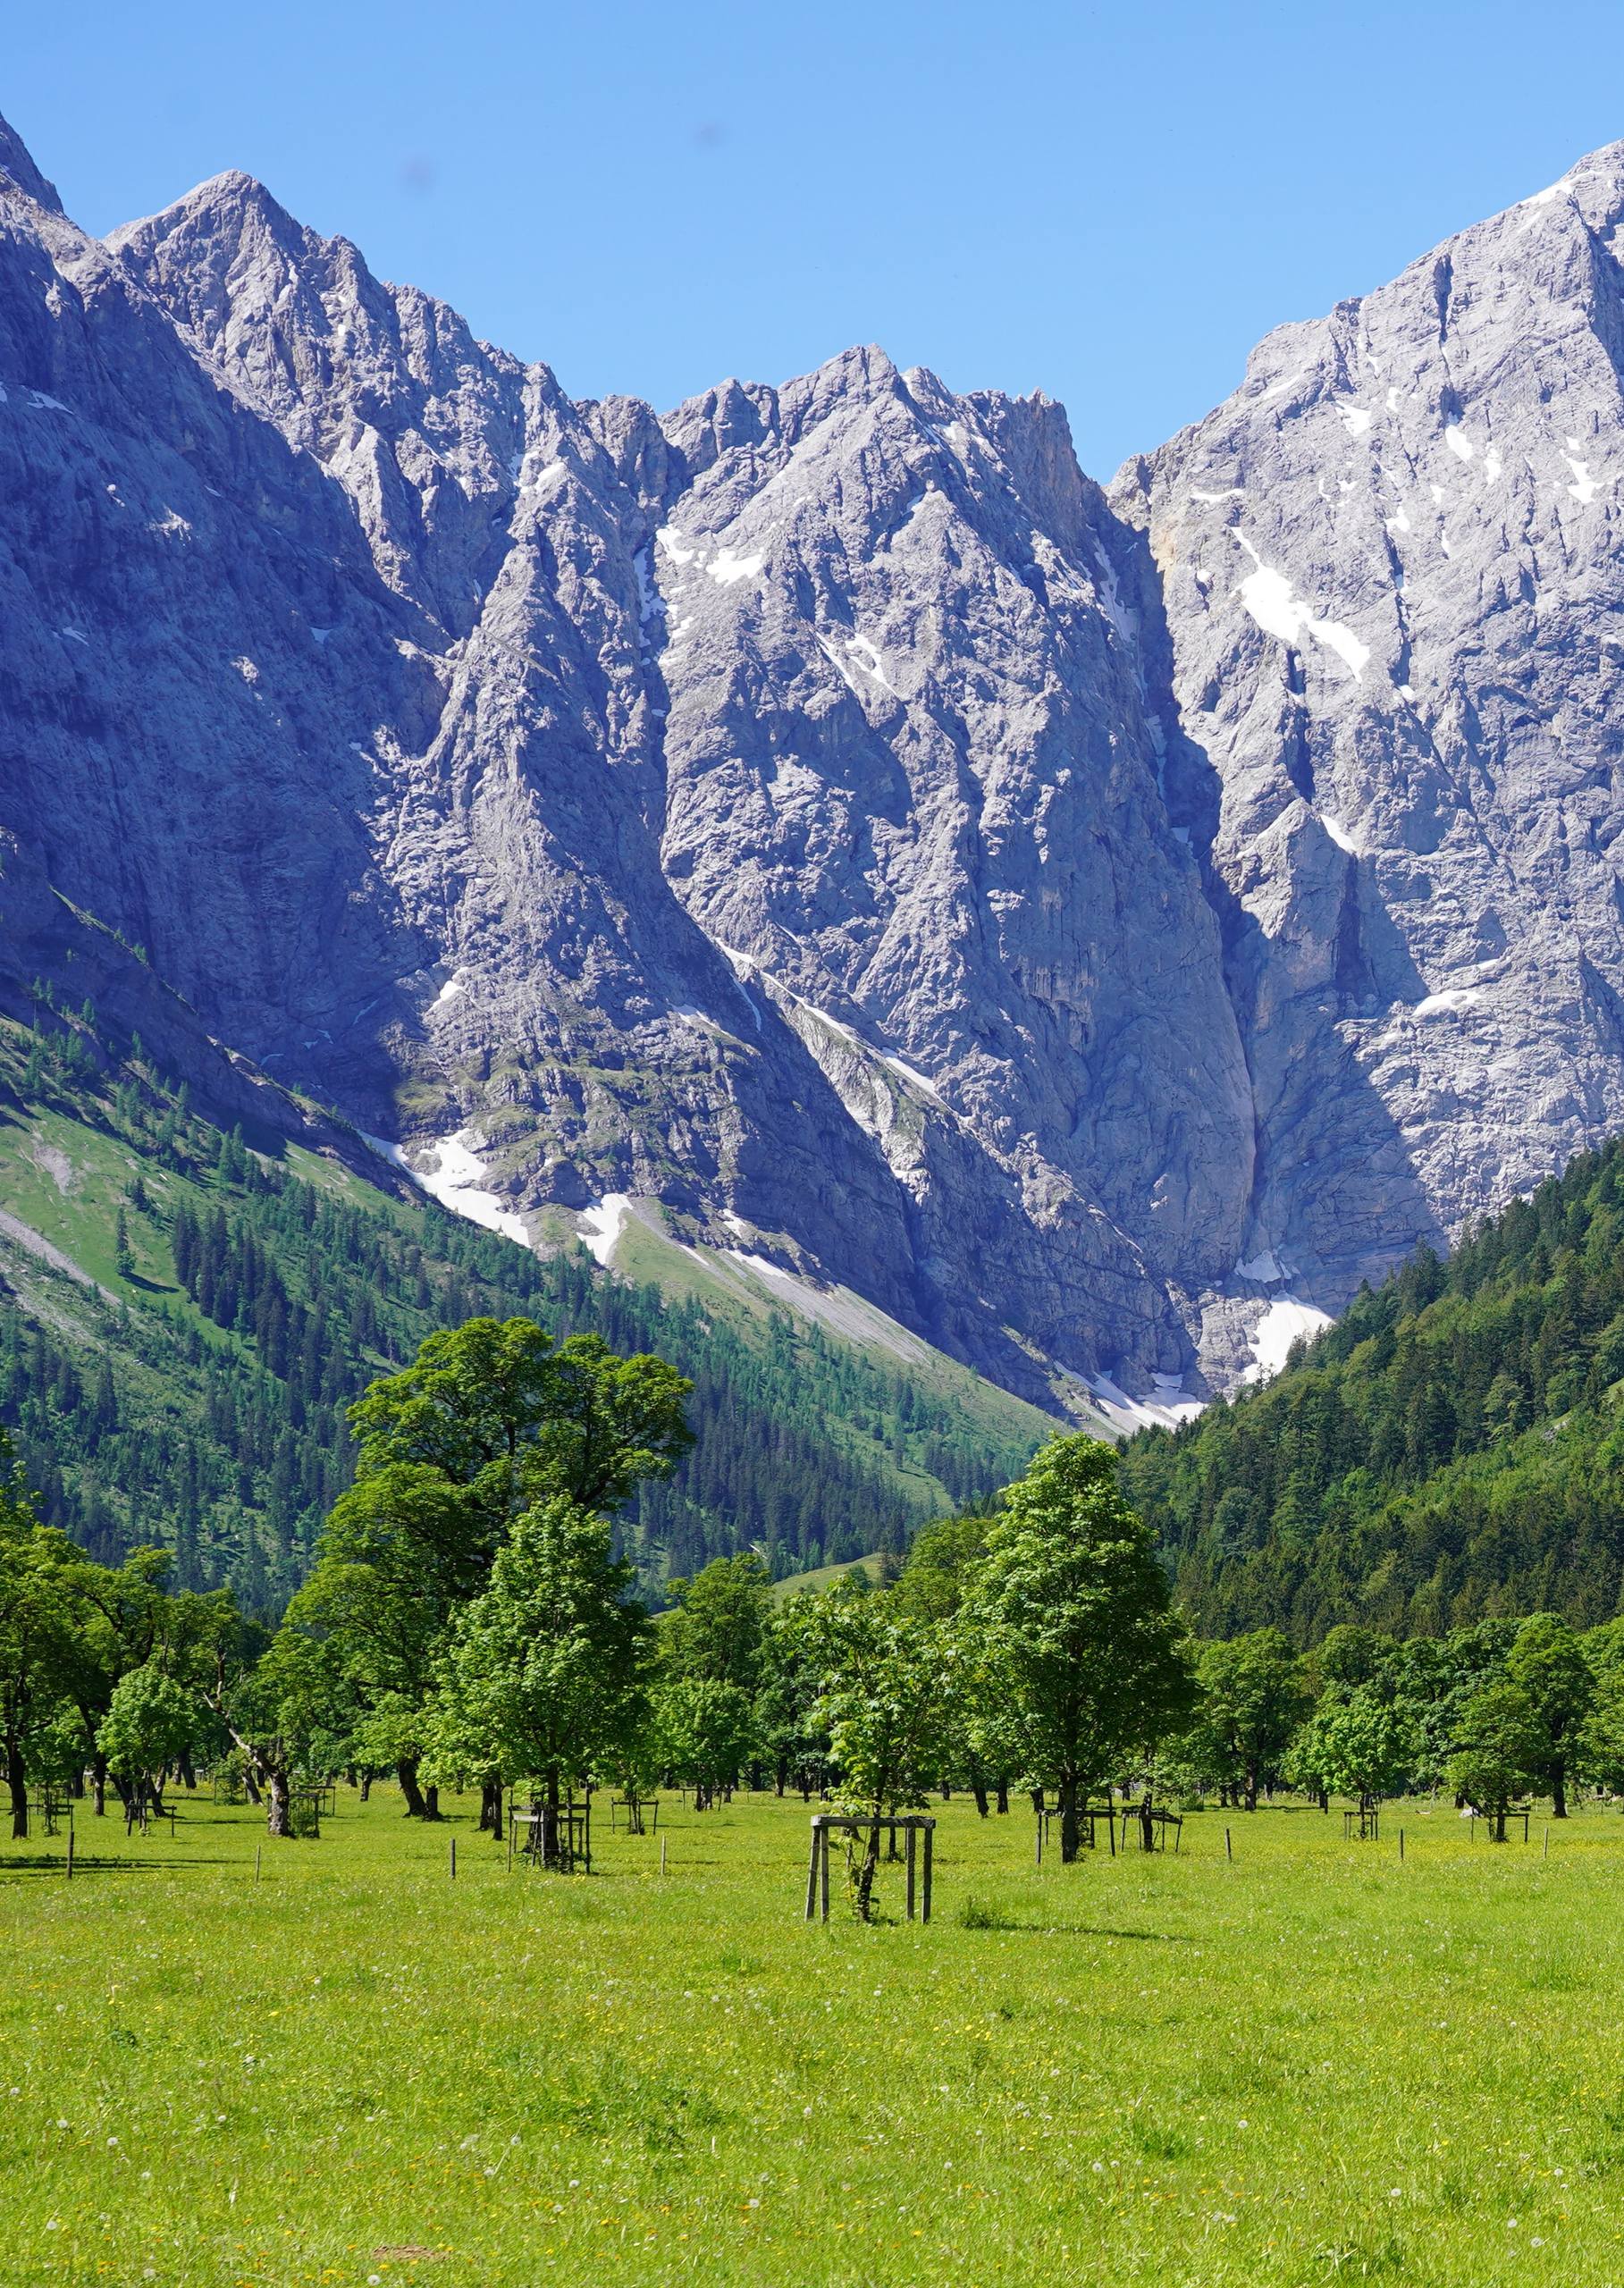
column 975, row 1916
column 85, row 1863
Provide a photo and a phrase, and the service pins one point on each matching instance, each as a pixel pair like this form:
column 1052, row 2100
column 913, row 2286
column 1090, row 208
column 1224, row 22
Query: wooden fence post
column 823, row 1838
column 812, row 1873
column 930, row 1844
column 1229, row 1848
column 453, row 1859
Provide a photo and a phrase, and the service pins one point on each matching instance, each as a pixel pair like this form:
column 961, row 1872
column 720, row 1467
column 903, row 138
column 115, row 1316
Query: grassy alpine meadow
column 1314, row 2062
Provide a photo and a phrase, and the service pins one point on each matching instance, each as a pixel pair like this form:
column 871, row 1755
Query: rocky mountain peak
column 19, row 172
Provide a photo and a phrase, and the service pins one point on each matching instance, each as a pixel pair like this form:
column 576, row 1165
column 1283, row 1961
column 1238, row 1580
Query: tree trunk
column 1558, row 1789
column 491, row 1807
column 251, row 1790
column 1071, row 1827
column 863, row 1894
column 1004, row 1795
column 98, row 1782
column 1251, row 1786
column 551, row 1853
column 1500, row 1822
column 406, row 1772
column 183, row 1767
column 278, row 1821
column 780, row 1778
column 365, row 1786
column 431, row 1803
column 16, row 1780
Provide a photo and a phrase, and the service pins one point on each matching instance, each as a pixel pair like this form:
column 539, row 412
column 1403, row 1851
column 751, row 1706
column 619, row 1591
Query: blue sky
column 1107, row 203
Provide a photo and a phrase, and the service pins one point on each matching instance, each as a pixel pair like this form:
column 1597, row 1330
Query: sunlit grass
column 1310, row 2064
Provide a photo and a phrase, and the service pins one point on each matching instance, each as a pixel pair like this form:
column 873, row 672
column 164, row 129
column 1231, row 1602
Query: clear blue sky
column 1109, row 203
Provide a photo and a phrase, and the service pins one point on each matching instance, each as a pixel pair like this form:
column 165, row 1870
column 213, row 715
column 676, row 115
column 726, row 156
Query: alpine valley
column 816, row 846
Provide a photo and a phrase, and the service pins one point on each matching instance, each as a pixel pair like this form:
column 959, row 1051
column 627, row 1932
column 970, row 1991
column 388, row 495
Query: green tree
column 544, row 1674
column 1079, row 1660
column 496, row 1407
column 150, row 1724
column 36, row 1630
column 403, row 1548
column 490, row 1418
column 708, row 1730
column 787, row 1722
column 1599, row 1756
column 718, row 1627
column 1356, row 1742
column 939, row 1564
column 1254, row 1695
column 1498, row 1748
column 1547, row 1662
column 890, row 1701
column 275, row 1701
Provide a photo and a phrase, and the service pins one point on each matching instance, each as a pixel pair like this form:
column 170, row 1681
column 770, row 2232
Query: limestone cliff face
column 1390, row 574
column 1089, row 928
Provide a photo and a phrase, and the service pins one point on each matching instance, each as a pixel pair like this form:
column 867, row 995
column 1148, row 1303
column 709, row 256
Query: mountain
column 186, row 1311
column 1388, row 600
column 819, row 836
column 1452, row 1451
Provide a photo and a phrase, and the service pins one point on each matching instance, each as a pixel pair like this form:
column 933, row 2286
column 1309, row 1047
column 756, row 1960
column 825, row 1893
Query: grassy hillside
column 185, row 1314
column 1311, row 2063
column 1452, row 1449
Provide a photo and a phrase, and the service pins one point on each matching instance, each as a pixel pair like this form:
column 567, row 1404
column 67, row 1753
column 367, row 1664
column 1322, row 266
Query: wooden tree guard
column 1364, row 1822
column 306, row 1805
column 634, row 1807
column 1154, row 1826
column 574, row 1834
column 47, row 1805
column 1513, row 1811
column 1089, row 1816
column 913, row 1826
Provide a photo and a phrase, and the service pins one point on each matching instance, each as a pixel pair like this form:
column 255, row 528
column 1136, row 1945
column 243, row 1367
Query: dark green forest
column 1451, row 1450
column 196, row 1396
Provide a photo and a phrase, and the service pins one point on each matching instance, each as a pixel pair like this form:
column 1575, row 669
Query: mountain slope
column 188, row 1386
column 1453, row 1448
column 1393, row 606
column 574, row 750
column 818, row 824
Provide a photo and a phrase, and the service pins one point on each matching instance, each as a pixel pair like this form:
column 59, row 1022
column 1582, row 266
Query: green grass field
column 1311, row 2064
